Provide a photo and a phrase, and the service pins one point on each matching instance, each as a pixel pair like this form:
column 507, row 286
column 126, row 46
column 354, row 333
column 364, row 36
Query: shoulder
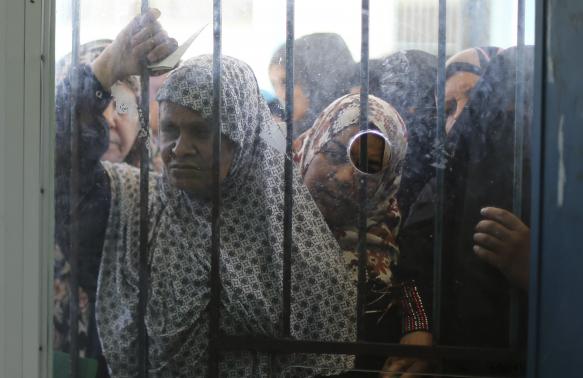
column 125, row 185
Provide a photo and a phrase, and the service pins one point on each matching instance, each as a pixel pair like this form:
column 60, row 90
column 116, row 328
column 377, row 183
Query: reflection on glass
column 485, row 241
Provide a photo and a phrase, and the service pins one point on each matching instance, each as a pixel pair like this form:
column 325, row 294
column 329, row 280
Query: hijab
column 88, row 52
column 323, row 301
column 406, row 80
column 478, row 173
column 474, row 60
column 324, row 67
column 481, row 145
column 383, row 216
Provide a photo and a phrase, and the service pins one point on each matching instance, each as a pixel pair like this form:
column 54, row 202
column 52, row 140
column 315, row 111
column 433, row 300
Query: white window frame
column 26, row 187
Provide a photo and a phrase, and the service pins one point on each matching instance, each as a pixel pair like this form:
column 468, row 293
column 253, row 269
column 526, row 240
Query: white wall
column 253, row 29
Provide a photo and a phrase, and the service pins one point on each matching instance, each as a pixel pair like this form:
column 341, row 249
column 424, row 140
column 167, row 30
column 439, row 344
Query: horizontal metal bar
column 274, row 345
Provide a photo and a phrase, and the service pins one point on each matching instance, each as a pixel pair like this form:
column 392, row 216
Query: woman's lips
column 179, row 168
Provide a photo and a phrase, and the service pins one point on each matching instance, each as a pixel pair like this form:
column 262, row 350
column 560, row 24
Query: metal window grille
column 222, row 343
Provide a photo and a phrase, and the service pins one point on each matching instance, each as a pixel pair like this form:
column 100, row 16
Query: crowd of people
column 485, row 246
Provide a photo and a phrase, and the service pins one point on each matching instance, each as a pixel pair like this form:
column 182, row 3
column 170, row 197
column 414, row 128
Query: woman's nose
column 111, row 117
column 344, row 173
column 183, row 148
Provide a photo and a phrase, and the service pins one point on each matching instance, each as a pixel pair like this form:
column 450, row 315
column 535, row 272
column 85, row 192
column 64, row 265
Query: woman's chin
column 113, row 156
column 190, row 186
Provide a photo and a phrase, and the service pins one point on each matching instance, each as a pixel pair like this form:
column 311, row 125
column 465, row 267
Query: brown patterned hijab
column 341, row 117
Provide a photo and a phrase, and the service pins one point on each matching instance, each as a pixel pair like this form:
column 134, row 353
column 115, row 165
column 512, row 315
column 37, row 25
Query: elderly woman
column 121, row 115
column 251, row 174
column 329, row 158
column 323, row 71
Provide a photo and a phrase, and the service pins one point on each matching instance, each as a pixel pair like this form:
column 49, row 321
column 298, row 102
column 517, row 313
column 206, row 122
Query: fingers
column 489, row 242
column 163, row 50
column 504, row 217
column 151, row 44
column 494, row 229
column 151, row 15
column 418, row 367
column 142, row 21
column 145, row 33
column 396, row 366
column 488, row 256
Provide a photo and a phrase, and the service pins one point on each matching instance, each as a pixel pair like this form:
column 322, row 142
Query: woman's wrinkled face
column 301, row 102
column 457, row 93
column 122, row 117
column 332, row 176
column 186, row 141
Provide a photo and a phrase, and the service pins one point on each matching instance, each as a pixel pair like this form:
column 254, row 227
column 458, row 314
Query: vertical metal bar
column 74, row 197
column 518, row 159
column 538, row 179
column 362, row 227
column 144, row 274
column 215, row 278
column 519, row 113
column 439, row 202
column 288, row 169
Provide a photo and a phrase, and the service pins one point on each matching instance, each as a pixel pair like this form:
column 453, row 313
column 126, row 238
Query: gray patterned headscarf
column 323, row 299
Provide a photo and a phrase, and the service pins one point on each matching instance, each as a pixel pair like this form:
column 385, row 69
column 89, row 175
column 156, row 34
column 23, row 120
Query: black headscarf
column 324, row 68
column 406, row 80
column 478, row 173
column 461, row 62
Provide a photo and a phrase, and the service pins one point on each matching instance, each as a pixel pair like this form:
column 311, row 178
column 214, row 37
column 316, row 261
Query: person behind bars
column 329, row 158
column 121, row 115
column 179, row 221
column 323, row 71
column 485, row 246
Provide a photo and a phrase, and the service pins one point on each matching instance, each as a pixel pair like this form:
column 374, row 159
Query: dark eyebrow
column 200, row 126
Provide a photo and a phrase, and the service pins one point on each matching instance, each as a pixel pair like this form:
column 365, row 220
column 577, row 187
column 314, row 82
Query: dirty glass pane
column 434, row 185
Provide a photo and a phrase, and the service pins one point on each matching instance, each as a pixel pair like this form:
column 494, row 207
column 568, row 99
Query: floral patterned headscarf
column 383, row 211
column 344, row 113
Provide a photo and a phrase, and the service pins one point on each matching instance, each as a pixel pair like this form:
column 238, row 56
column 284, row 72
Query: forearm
column 82, row 108
column 415, row 315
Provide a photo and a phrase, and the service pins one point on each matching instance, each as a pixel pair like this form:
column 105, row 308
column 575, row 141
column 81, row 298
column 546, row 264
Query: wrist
column 103, row 71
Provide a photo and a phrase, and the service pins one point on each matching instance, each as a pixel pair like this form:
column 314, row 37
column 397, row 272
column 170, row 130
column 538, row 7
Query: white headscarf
column 323, row 299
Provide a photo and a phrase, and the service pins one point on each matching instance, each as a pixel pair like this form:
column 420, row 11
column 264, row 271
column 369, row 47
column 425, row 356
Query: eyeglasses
column 124, row 100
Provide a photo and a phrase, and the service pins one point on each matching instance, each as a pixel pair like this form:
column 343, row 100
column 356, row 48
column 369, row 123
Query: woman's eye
column 169, row 133
column 203, row 133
